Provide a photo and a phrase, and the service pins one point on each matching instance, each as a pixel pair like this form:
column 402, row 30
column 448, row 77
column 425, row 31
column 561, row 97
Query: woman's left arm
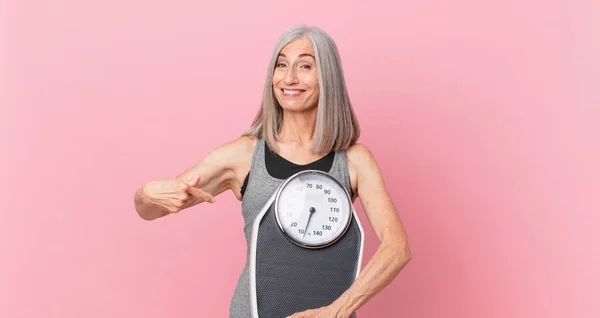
column 392, row 254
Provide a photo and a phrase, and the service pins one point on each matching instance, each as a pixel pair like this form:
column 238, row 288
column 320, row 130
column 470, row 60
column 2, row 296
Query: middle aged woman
column 305, row 121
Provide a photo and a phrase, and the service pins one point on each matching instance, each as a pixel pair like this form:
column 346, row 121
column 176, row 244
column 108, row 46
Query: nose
column 291, row 76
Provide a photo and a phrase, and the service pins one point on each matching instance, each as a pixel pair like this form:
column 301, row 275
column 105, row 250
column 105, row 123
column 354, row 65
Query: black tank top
column 281, row 168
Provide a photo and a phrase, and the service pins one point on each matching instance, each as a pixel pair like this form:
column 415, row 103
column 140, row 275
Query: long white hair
column 336, row 127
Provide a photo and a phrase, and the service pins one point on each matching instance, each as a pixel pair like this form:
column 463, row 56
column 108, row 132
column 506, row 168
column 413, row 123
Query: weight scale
column 306, row 246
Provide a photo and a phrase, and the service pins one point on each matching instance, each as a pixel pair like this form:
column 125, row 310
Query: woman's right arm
column 218, row 171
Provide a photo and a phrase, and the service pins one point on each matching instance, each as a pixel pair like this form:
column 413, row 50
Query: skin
column 226, row 167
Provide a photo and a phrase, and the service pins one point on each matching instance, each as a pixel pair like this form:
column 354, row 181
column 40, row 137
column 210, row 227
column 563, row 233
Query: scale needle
column 311, row 210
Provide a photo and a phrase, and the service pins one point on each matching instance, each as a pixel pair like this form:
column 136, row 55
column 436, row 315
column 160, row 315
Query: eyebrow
column 301, row 55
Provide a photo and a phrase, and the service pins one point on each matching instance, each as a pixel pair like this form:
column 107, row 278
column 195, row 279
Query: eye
column 306, row 66
column 278, row 65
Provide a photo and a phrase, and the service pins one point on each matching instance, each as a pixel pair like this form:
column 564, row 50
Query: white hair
column 336, row 127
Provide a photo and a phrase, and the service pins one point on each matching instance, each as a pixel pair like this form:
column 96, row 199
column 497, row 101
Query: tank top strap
column 260, row 185
column 339, row 169
column 258, row 168
column 260, row 177
column 258, row 156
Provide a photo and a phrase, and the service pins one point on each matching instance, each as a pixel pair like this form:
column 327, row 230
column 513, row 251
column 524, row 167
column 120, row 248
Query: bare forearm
column 384, row 266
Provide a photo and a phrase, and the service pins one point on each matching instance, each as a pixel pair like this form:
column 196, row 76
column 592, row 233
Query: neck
column 298, row 127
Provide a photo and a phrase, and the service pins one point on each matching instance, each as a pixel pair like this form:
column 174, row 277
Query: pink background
column 484, row 116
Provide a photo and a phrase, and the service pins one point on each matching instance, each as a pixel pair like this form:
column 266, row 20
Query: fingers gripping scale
column 306, row 247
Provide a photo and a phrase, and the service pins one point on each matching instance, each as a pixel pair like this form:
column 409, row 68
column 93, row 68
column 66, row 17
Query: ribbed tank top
column 260, row 184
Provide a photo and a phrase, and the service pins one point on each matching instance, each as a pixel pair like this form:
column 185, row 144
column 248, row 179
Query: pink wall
column 484, row 117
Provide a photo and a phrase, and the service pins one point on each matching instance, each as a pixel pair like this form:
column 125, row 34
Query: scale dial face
column 313, row 209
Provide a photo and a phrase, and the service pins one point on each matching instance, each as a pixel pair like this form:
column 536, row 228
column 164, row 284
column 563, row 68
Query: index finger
column 207, row 197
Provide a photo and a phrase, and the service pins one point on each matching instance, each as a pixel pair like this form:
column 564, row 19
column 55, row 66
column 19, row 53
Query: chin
column 295, row 104
column 295, row 107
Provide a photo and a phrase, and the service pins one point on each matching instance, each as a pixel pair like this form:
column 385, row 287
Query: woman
column 306, row 122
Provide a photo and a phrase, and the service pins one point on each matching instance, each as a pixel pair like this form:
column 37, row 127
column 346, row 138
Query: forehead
column 297, row 47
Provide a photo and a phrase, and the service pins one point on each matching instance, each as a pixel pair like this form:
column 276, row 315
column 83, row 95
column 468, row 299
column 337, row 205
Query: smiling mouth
column 292, row 92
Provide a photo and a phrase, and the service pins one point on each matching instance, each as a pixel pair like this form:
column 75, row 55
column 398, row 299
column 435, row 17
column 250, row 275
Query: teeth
column 291, row 92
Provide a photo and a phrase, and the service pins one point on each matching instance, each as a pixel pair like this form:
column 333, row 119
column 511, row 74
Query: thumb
column 192, row 180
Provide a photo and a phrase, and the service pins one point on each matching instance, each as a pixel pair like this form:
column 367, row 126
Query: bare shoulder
column 228, row 155
column 361, row 159
column 238, row 154
column 237, row 149
column 359, row 154
column 221, row 168
column 241, row 150
column 361, row 162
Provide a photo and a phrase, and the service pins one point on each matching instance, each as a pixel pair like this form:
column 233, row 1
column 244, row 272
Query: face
column 295, row 79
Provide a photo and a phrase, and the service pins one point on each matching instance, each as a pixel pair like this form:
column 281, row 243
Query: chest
column 299, row 156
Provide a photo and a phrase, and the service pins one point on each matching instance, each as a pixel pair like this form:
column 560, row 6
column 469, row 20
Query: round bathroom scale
column 306, row 246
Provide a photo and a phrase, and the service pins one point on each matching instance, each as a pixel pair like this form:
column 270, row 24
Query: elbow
column 401, row 253
column 407, row 255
